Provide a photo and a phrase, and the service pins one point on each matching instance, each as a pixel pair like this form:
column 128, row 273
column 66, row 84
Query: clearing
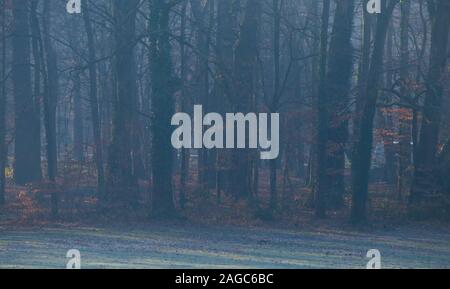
column 203, row 246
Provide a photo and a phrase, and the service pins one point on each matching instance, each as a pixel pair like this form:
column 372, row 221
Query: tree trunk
column 27, row 166
column 184, row 166
column 244, row 67
column 200, row 11
column 405, row 124
column 225, row 39
column 78, row 120
column 387, row 121
column 122, row 184
column 37, row 73
column 340, row 64
column 276, row 6
column 93, row 99
column 364, row 66
column 163, row 109
column 362, row 153
column 3, row 149
column 77, row 98
column 321, row 187
column 50, row 103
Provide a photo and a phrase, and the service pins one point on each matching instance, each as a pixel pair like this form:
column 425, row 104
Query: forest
column 348, row 100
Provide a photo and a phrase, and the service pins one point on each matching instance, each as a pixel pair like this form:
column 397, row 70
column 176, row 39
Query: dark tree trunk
column 387, row 121
column 200, row 11
column 321, row 187
column 405, row 124
column 362, row 153
column 27, row 161
column 310, row 169
column 276, row 6
column 184, row 166
column 50, row 103
column 340, row 64
column 244, row 67
column 37, row 67
column 122, row 184
column 77, row 98
column 162, row 110
column 225, row 40
column 364, row 66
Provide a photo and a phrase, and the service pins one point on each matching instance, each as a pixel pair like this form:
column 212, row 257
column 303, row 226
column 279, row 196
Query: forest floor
column 187, row 245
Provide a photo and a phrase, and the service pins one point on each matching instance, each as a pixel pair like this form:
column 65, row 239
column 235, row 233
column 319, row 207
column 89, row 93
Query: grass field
column 200, row 246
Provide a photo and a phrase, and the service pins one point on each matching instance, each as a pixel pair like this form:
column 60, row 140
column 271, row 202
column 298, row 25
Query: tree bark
column 386, row 116
column 276, row 6
column 122, row 184
column 225, row 39
column 244, row 67
column 50, row 103
column 27, row 166
column 362, row 153
column 78, row 102
column 364, row 66
column 321, row 187
column 37, row 71
column 405, row 124
column 184, row 165
column 162, row 110
column 340, row 64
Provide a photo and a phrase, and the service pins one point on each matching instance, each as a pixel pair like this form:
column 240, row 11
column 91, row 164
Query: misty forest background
column 86, row 102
